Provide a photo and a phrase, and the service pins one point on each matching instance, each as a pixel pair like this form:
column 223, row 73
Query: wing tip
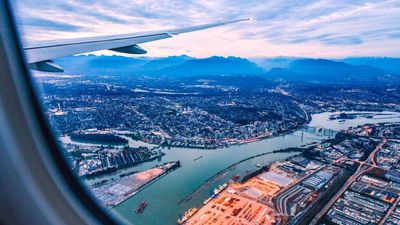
column 238, row 20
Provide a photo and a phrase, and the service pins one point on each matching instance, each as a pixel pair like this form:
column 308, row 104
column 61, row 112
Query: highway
column 363, row 167
column 362, row 163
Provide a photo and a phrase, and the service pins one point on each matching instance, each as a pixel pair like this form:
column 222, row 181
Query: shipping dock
column 114, row 192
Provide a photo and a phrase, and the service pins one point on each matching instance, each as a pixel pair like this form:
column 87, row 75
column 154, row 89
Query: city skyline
column 303, row 29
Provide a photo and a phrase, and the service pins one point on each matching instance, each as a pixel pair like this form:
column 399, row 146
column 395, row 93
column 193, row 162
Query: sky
column 318, row 29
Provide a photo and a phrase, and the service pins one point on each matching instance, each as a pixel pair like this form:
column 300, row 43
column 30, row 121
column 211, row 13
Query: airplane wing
column 40, row 54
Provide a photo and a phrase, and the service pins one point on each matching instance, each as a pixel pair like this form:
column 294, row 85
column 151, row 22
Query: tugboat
column 142, row 205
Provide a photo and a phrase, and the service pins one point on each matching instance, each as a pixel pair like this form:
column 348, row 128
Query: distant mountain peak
column 214, row 65
column 327, row 71
column 316, row 62
column 349, row 70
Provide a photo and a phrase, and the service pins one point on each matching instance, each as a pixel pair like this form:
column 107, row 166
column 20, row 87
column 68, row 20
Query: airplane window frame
column 31, row 159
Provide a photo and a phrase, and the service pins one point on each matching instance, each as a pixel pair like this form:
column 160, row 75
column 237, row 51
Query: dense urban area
column 109, row 124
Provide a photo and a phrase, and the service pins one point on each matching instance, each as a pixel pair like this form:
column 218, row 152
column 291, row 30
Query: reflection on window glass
column 292, row 117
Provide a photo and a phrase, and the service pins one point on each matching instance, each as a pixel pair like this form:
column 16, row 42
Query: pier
column 227, row 169
column 114, row 192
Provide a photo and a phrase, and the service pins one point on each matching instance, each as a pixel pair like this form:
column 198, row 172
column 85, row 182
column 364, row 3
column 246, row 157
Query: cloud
column 278, row 27
column 41, row 23
column 345, row 40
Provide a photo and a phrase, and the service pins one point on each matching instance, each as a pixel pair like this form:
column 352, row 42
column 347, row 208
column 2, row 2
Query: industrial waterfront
column 184, row 188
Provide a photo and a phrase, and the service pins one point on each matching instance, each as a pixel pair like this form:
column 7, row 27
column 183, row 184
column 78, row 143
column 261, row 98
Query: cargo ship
column 142, row 205
column 189, row 213
column 216, row 191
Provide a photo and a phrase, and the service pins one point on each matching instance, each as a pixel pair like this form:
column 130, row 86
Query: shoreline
column 250, row 140
column 161, row 147
column 297, row 127
column 243, row 142
column 249, row 165
column 188, row 197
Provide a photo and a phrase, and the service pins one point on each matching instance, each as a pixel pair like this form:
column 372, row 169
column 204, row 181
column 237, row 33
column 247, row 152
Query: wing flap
column 133, row 49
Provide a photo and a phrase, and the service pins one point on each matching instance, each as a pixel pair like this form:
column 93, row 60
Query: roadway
column 363, row 167
column 308, row 213
column 390, row 211
column 280, row 201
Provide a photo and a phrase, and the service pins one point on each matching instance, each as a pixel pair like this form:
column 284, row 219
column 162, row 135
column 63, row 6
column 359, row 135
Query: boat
column 220, row 188
column 195, row 159
column 141, row 206
column 216, row 191
column 258, row 165
column 189, row 213
column 234, row 178
column 207, row 200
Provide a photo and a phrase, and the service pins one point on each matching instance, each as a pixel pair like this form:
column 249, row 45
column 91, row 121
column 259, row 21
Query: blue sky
column 322, row 28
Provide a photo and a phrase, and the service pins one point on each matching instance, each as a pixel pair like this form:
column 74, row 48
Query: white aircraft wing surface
column 40, row 54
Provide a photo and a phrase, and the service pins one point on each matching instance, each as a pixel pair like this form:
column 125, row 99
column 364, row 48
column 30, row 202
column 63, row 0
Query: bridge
column 320, row 131
column 317, row 131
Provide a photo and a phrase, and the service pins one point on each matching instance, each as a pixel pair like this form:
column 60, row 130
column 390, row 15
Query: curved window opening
column 285, row 118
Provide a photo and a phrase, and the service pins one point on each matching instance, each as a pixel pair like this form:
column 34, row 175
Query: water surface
column 163, row 196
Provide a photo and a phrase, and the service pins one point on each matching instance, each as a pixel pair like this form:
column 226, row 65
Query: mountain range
column 348, row 70
column 328, row 71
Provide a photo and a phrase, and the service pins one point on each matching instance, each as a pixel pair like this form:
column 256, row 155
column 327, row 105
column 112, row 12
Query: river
column 164, row 195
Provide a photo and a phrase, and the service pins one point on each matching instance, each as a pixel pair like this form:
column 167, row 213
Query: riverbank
column 236, row 142
column 192, row 174
column 208, row 181
column 295, row 185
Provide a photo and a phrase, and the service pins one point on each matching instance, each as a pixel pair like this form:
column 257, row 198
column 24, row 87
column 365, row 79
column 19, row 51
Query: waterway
column 164, row 197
